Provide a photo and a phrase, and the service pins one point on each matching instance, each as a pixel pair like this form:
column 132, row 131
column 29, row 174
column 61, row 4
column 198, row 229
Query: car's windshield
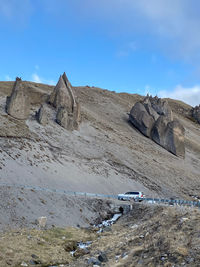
column 132, row 193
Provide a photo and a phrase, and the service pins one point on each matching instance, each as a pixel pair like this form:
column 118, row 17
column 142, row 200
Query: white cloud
column 173, row 25
column 8, row 78
column 50, row 82
column 190, row 96
column 37, row 79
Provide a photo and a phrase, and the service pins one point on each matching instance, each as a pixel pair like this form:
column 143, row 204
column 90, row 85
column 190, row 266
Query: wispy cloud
column 127, row 49
column 17, row 11
column 190, row 96
column 8, row 78
column 37, row 67
column 37, row 79
column 172, row 25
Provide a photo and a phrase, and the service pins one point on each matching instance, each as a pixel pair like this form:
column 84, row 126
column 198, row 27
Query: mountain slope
column 107, row 154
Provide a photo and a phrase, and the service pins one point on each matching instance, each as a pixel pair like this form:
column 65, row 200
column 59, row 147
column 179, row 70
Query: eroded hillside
column 106, row 155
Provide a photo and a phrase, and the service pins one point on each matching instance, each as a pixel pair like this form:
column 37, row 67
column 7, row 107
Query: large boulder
column 144, row 114
column 175, row 135
column 158, row 133
column 196, row 113
column 141, row 119
column 42, row 115
column 160, row 106
column 170, row 135
column 153, row 117
column 18, row 103
column 62, row 117
column 67, row 120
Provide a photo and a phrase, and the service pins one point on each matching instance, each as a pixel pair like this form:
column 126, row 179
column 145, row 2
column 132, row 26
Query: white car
column 131, row 195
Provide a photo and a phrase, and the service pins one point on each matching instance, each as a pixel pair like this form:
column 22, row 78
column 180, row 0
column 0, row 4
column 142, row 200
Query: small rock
column 189, row 260
column 34, row 256
column 107, row 229
column 70, row 246
column 42, row 221
column 124, row 255
column 102, row 257
column 94, row 261
column 184, row 219
column 80, row 252
column 32, row 262
column 9, row 262
column 24, row 264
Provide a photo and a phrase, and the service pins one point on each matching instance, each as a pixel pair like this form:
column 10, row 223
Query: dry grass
column 45, row 247
column 152, row 236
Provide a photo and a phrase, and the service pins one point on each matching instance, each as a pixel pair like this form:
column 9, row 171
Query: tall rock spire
column 66, row 104
column 18, row 103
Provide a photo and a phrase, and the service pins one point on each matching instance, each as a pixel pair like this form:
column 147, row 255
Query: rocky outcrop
column 42, row 115
column 141, row 119
column 158, row 107
column 196, row 113
column 60, row 97
column 153, row 117
column 67, row 106
column 170, row 135
column 18, row 103
column 63, row 118
column 64, row 103
column 63, row 96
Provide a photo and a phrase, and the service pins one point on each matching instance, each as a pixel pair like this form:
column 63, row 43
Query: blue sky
column 135, row 46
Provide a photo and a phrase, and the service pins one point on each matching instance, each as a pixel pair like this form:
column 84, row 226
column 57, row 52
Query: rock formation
column 196, row 113
column 170, row 135
column 18, row 103
column 60, row 97
column 42, row 115
column 63, row 96
column 153, row 117
column 141, row 119
column 63, row 118
column 63, row 99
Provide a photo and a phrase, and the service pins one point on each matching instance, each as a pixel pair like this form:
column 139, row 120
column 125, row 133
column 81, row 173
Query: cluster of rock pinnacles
column 62, row 99
column 152, row 117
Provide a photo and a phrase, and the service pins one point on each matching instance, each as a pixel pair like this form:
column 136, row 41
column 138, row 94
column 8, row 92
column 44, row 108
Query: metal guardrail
column 59, row 191
column 72, row 193
column 171, row 202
